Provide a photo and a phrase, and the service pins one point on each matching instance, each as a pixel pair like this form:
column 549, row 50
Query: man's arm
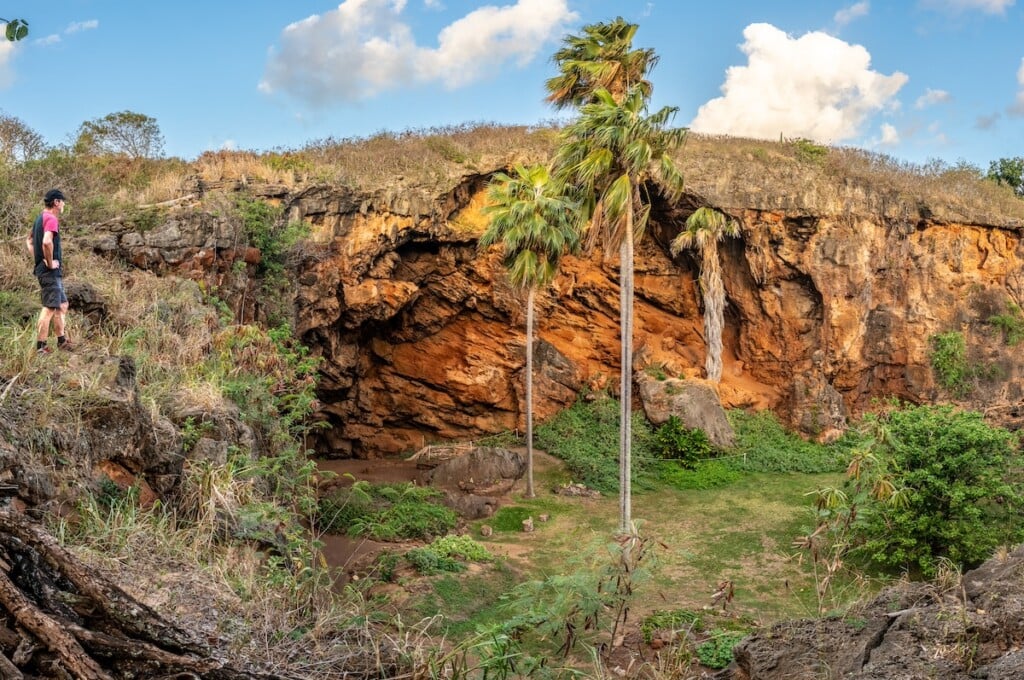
column 48, row 250
column 28, row 244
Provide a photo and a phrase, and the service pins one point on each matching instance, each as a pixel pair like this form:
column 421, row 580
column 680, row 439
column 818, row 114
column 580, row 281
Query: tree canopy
column 1009, row 172
column 124, row 133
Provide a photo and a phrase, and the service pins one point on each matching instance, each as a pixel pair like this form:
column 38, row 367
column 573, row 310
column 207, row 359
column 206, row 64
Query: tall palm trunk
column 531, row 296
column 626, row 377
column 714, row 308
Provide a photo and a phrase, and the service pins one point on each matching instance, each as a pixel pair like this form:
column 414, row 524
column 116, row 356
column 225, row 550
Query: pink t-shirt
column 50, row 222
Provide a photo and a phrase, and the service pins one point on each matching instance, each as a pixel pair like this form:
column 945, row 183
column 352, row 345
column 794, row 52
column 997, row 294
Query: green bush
column 403, row 511
column 440, row 556
column 956, row 490
column 763, row 445
column 949, row 361
column 675, row 441
column 1011, row 324
column 716, row 651
column 586, row 437
column 428, row 562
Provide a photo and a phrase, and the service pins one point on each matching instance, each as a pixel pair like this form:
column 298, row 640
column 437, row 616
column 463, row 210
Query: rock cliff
column 834, row 292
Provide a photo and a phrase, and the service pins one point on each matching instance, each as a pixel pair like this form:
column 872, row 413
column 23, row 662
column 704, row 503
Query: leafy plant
column 930, row 483
column 716, row 651
column 949, row 361
column 397, row 512
column 808, row 151
column 675, row 441
column 1011, row 323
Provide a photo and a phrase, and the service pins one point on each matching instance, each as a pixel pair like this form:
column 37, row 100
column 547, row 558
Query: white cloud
column 931, row 98
column 6, row 54
column 848, row 14
column 986, row 6
column 433, row 4
column 815, row 86
column 1017, row 108
column 51, row 39
column 81, row 26
column 890, row 136
column 364, row 48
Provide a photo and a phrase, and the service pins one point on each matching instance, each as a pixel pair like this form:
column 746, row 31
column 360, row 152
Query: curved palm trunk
column 714, row 310
column 626, row 378
column 529, row 392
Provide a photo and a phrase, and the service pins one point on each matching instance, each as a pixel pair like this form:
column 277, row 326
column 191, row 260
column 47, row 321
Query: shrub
column 675, row 441
column 1011, row 324
column 716, row 651
column 440, row 556
column 949, row 361
column 954, row 490
column 402, row 512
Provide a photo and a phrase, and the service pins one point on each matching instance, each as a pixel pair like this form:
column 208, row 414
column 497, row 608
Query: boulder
column 481, row 471
column 694, row 402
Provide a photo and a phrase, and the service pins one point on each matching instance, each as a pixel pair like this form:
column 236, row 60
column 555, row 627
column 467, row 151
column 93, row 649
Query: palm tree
column 611, row 156
column 601, row 58
column 704, row 229
column 531, row 217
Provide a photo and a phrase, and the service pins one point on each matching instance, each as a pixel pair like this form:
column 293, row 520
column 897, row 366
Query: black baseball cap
column 53, row 195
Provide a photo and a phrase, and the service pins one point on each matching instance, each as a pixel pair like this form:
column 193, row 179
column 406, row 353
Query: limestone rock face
column 833, row 297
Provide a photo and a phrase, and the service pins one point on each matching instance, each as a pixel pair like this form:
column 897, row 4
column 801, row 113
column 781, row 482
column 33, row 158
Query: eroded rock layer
column 827, row 308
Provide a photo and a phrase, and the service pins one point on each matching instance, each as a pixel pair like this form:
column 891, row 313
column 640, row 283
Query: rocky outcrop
column 694, row 403
column 832, row 298
column 957, row 629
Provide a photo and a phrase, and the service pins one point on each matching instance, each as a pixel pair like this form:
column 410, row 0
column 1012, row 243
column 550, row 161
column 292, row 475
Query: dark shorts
column 52, row 286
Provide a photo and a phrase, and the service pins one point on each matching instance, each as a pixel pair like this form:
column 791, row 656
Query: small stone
column 528, row 524
column 486, row 530
column 544, row 518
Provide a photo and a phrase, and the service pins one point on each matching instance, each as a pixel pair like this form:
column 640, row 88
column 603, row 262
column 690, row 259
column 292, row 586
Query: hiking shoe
column 66, row 346
column 44, row 350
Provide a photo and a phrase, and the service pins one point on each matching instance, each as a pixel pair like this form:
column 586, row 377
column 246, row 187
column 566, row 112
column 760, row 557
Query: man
column 44, row 244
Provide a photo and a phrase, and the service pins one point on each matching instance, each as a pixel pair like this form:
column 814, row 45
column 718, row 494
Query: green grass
column 467, row 602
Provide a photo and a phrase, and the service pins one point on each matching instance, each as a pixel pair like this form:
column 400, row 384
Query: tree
column 16, row 29
column 607, row 157
column 611, row 155
column 704, row 229
column 601, row 58
column 530, row 217
column 1008, row 171
column 125, row 133
column 19, row 142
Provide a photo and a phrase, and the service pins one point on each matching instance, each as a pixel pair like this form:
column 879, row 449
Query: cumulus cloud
column 1017, row 109
column 51, row 39
column 931, row 98
column 986, row 6
column 363, row 48
column 890, row 136
column 848, row 14
column 815, row 86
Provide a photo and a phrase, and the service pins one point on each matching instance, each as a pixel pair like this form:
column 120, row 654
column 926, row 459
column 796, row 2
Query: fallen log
column 82, row 626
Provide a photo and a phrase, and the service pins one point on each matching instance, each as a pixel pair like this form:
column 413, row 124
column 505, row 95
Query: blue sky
column 917, row 79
